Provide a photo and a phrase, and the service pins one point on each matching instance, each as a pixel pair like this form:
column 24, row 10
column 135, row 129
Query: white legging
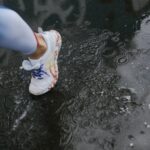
column 15, row 33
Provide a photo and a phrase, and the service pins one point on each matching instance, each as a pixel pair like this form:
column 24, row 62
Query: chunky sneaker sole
column 45, row 69
column 55, row 52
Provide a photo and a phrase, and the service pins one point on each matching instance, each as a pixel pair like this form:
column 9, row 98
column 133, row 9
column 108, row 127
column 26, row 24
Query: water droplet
column 127, row 97
column 132, row 145
column 117, row 98
column 147, row 68
column 115, row 39
column 109, row 52
column 148, row 126
column 148, row 106
column 122, row 60
column 145, row 123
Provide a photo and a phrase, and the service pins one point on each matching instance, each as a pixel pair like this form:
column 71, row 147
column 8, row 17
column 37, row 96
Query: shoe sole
column 54, row 69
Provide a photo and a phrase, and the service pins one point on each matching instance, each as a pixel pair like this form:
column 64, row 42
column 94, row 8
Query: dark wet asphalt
column 102, row 99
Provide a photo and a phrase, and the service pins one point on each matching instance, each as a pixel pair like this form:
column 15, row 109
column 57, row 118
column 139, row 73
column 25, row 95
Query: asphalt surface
column 101, row 101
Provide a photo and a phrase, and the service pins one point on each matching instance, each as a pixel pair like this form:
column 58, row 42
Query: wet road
column 102, row 99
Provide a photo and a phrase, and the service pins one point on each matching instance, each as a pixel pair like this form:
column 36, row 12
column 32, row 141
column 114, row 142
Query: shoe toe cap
column 38, row 90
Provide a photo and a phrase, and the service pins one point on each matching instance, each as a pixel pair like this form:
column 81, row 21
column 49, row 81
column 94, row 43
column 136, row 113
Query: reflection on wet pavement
column 101, row 101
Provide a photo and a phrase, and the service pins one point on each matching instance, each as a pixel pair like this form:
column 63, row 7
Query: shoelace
column 37, row 70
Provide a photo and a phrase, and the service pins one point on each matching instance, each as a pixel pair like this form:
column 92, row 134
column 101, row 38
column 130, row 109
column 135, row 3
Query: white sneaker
column 44, row 70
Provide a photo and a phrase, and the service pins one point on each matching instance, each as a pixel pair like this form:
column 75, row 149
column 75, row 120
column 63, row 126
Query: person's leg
column 15, row 33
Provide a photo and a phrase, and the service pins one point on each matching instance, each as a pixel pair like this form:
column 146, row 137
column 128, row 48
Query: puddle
column 102, row 100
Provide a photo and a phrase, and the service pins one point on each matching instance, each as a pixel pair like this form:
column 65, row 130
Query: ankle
column 41, row 47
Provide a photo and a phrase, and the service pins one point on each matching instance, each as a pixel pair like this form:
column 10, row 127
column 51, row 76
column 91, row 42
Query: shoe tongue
column 33, row 62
